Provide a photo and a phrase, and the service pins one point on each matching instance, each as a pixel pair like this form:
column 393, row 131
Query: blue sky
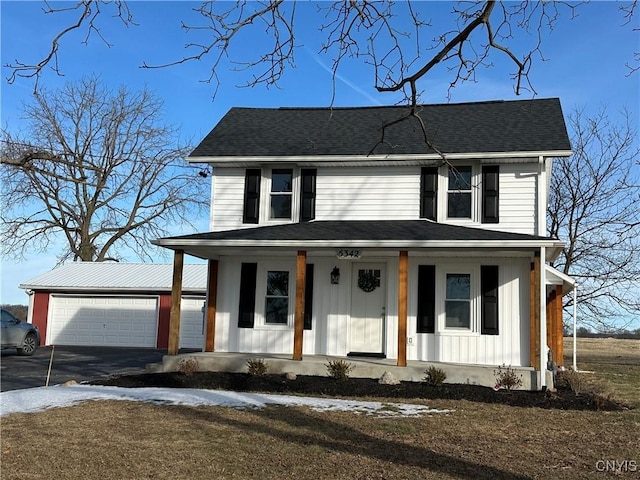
column 585, row 67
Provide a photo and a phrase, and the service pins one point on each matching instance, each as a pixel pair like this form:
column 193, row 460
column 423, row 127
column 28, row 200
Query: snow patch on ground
column 39, row 399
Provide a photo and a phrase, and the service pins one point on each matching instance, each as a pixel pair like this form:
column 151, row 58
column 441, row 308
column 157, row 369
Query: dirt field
column 125, row 440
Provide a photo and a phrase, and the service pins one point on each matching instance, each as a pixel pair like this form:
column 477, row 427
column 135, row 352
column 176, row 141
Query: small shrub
column 434, row 376
column 576, row 381
column 256, row 367
column 188, row 366
column 339, row 369
column 507, row 378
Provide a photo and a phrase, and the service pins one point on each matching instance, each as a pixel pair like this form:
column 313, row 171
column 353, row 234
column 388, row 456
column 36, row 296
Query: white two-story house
column 333, row 235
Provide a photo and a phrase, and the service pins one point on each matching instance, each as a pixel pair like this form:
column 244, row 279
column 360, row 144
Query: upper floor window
column 459, row 192
column 286, row 194
column 281, row 193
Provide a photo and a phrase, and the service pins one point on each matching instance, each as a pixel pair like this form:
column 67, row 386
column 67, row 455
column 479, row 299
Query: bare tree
column 396, row 39
column 98, row 171
column 593, row 206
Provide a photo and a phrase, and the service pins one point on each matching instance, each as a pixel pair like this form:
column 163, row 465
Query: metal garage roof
column 100, row 276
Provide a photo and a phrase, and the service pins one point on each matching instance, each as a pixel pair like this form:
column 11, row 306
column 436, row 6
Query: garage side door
column 103, row 321
column 192, row 323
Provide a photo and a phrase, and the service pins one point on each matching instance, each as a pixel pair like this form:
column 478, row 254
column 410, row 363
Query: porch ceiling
column 375, row 234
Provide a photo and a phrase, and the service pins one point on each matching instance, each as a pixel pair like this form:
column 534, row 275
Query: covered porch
column 398, row 241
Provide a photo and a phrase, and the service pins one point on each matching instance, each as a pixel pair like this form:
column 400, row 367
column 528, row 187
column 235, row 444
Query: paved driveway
column 72, row 363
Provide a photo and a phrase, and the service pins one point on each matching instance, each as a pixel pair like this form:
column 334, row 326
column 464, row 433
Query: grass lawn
column 612, row 365
column 126, row 440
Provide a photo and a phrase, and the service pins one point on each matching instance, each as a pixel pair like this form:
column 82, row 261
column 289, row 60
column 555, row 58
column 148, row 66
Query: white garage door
column 192, row 322
column 103, row 321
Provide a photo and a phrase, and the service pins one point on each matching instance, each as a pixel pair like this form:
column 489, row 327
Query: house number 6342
column 345, row 253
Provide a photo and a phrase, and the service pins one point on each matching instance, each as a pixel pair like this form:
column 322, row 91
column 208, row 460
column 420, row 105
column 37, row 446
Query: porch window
column 281, row 193
column 459, row 192
column 277, row 298
column 458, row 300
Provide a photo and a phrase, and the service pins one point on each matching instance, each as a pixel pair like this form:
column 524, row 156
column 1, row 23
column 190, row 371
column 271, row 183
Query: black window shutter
column 251, row 196
column 429, row 193
column 308, row 298
column 489, row 287
column 490, row 188
column 426, row 322
column 308, row 194
column 246, row 310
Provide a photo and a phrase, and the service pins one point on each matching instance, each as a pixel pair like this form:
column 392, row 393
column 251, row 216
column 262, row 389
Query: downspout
column 543, row 321
column 575, row 335
column 542, row 198
column 542, row 230
column 31, row 295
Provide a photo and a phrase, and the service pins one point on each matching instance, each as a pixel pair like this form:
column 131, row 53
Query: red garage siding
column 40, row 313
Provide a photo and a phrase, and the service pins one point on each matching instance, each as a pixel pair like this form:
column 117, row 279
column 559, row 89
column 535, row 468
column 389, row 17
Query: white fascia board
column 322, row 159
column 556, row 277
column 395, row 244
column 71, row 289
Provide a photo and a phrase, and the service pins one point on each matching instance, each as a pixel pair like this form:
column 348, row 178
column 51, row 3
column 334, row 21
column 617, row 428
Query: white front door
column 368, row 295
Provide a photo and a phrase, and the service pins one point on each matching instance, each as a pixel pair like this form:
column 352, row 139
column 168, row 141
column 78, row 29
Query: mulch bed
column 563, row 398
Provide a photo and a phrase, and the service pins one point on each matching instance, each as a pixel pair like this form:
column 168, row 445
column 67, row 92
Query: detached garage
column 116, row 304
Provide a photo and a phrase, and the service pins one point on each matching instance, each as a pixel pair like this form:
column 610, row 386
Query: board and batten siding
column 260, row 339
column 332, row 308
column 509, row 347
column 329, row 318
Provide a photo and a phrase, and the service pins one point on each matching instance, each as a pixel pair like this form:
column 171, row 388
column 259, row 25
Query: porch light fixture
column 335, row 276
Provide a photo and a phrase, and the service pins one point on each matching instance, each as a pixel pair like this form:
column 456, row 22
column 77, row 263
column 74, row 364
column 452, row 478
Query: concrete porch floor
column 363, row 367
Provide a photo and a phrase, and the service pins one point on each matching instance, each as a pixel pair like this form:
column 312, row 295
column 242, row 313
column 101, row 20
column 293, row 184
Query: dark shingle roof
column 483, row 127
column 368, row 230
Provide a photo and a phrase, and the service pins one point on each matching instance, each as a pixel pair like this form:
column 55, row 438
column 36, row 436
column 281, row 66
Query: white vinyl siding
column 373, row 193
column 517, row 199
column 381, row 193
column 227, row 199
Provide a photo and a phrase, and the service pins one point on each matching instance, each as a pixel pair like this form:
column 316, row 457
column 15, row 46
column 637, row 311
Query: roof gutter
column 320, row 159
column 553, row 247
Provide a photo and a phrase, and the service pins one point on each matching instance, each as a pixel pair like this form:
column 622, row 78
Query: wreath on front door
column 367, row 281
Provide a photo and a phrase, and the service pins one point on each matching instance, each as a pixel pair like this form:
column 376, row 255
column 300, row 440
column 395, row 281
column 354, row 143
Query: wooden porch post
column 176, row 297
column 534, row 312
column 403, row 263
column 559, row 346
column 298, row 322
column 551, row 320
column 212, row 296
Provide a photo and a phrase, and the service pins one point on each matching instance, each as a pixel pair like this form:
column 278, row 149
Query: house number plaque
column 348, row 253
